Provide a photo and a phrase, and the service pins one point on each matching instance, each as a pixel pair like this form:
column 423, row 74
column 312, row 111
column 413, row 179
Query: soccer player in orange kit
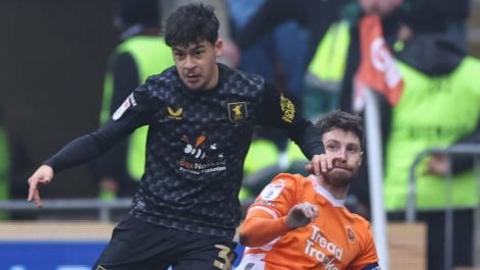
column 301, row 222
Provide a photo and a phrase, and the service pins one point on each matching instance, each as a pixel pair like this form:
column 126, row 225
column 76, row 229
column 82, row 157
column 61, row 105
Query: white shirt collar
column 325, row 193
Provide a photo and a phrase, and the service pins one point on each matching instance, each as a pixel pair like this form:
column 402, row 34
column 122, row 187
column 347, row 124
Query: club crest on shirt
column 176, row 114
column 272, row 191
column 350, row 234
column 129, row 102
column 237, row 111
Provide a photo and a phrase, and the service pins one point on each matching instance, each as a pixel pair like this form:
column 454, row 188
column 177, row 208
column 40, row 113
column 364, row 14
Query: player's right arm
column 275, row 212
column 125, row 77
column 133, row 113
column 260, row 227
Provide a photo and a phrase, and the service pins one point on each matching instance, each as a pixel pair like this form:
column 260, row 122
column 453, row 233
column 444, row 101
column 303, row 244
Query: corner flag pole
column 375, row 172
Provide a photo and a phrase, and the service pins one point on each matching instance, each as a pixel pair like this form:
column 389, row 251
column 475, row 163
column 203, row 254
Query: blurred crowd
column 439, row 106
column 312, row 49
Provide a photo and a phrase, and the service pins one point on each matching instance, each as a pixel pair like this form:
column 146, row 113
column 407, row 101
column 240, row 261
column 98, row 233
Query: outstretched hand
column 301, row 214
column 43, row 175
column 319, row 164
column 438, row 165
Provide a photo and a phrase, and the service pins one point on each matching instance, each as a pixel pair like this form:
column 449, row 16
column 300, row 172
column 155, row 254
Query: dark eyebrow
column 353, row 144
column 176, row 49
column 199, row 46
column 337, row 141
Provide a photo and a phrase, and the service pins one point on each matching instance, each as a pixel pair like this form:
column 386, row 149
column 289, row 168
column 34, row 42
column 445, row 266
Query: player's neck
column 338, row 192
column 212, row 84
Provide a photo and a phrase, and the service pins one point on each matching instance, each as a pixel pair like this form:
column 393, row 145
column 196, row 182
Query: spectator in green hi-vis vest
column 326, row 69
column 440, row 107
column 141, row 53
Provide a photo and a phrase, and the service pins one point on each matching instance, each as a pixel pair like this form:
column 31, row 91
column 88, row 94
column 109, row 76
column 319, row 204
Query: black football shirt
column 196, row 146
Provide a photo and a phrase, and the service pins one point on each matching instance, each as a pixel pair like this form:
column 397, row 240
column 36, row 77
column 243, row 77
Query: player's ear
column 360, row 160
column 218, row 47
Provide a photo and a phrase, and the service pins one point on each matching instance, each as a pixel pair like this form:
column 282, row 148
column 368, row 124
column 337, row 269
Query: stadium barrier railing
column 103, row 207
column 411, row 211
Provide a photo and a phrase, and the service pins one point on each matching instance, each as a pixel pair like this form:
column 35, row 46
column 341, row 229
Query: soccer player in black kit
column 201, row 116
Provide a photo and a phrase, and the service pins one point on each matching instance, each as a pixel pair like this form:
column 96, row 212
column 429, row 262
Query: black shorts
column 139, row 245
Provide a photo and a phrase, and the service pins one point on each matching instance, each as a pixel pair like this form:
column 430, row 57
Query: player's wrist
column 292, row 223
column 283, row 221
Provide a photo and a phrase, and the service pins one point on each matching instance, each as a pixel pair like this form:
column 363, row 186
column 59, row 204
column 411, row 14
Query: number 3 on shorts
column 225, row 255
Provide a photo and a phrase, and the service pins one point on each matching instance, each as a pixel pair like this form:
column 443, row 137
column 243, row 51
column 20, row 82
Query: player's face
column 344, row 148
column 197, row 64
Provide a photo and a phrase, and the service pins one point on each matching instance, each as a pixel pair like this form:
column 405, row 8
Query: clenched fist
column 301, row 214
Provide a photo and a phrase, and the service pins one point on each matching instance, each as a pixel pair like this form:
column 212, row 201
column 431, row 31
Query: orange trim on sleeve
column 260, row 228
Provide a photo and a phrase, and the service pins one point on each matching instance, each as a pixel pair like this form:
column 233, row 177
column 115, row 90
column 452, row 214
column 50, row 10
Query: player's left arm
column 367, row 259
column 280, row 110
column 373, row 266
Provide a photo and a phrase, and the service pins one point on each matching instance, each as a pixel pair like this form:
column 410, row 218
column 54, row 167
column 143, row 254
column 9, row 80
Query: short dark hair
column 191, row 23
column 342, row 120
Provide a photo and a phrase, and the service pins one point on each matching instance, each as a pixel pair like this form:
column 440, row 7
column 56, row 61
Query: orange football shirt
column 337, row 239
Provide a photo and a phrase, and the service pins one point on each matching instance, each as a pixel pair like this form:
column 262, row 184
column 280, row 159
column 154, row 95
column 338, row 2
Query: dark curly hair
column 191, row 23
column 342, row 120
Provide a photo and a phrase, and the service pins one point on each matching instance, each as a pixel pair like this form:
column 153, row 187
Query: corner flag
column 377, row 70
